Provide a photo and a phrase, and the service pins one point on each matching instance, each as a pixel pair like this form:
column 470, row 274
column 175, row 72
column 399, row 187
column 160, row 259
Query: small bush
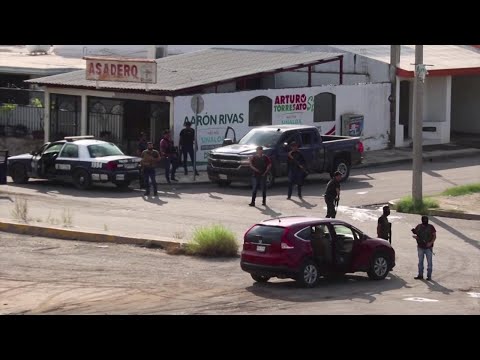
column 20, row 211
column 407, row 205
column 462, row 190
column 214, row 241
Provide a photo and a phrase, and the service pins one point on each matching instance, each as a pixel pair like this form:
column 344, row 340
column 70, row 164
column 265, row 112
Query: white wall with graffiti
column 234, row 114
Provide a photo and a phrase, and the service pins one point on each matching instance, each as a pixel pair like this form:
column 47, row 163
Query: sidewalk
column 371, row 159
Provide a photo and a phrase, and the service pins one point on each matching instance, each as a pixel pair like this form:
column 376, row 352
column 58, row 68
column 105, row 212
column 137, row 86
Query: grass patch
column 407, row 205
column 213, row 241
column 20, row 210
column 462, row 190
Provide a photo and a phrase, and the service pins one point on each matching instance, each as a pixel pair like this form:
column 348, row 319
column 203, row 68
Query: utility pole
column 418, row 84
column 394, row 63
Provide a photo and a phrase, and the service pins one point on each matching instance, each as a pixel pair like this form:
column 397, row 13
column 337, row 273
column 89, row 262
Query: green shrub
column 407, row 205
column 213, row 241
column 462, row 190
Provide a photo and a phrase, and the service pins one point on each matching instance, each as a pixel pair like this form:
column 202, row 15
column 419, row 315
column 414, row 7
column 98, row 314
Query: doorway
column 404, row 113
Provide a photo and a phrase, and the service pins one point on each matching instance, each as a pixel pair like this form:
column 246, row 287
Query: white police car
column 78, row 159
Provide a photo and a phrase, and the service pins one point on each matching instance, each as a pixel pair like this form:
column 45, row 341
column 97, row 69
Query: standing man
column 332, row 194
column 187, row 142
column 168, row 153
column 141, row 147
column 150, row 157
column 260, row 165
column 425, row 234
column 296, row 170
column 384, row 228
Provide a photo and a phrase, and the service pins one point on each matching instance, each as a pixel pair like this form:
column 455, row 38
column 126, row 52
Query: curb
column 468, row 153
column 67, row 234
column 445, row 213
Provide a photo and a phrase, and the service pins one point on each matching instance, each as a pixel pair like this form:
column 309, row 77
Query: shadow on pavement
column 348, row 287
column 474, row 243
column 435, row 286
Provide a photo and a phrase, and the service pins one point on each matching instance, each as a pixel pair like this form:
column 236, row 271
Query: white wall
column 300, row 79
column 466, row 104
column 232, row 109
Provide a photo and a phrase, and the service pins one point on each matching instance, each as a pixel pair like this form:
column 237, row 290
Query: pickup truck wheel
column 82, row 180
column 123, row 185
column 19, row 174
column 343, row 166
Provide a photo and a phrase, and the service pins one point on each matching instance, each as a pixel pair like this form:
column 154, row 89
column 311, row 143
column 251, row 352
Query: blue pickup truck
column 322, row 153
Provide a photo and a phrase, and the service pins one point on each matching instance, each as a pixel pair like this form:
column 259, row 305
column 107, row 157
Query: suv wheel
column 378, row 267
column 260, row 278
column 309, row 274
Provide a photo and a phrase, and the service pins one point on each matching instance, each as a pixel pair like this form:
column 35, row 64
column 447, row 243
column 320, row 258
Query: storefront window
column 260, row 111
column 324, row 107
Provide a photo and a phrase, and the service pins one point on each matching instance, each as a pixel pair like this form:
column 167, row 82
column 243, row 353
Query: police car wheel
column 19, row 174
column 82, row 180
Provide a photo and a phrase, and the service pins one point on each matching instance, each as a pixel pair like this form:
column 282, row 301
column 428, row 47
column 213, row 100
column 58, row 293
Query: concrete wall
column 232, row 110
column 466, row 104
column 18, row 146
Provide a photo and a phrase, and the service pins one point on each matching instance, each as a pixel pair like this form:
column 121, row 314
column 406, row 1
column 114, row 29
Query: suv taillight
column 111, row 165
column 286, row 244
column 360, row 148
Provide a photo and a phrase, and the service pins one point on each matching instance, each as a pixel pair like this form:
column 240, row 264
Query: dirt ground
column 467, row 203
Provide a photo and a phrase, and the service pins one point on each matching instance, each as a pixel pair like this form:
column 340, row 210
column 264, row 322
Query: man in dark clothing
column 425, row 234
column 332, row 194
column 169, row 155
column 261, row 165
column 384, row 228
column 141, row 147
column 150, row 157
column 296, row 170
column 187, row 142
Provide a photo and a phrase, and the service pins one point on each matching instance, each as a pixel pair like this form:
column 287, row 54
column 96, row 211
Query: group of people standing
column 261, row 165
column 168, row 154
column 424, row 233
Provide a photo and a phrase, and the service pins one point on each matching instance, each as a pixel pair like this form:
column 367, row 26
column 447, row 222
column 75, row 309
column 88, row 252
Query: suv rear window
column 268, row 234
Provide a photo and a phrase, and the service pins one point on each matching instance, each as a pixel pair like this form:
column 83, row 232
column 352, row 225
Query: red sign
column 125, row 70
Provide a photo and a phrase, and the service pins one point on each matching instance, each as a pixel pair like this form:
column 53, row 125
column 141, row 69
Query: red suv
column 304, row 248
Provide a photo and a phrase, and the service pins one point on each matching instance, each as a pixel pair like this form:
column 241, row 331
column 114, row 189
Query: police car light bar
column 72, row 138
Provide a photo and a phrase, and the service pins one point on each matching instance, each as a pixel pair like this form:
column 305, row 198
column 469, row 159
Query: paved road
column 180, row 209
column 45, row 276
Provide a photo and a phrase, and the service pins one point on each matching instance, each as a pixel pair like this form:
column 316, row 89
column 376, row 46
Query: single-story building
column 239, row 91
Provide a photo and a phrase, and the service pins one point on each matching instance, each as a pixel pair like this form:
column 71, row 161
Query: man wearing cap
column 187, row 142
column 260, row 165
column 296, row 170
column 150, row 157
column 425, row 234
column 384, row 228
column 168, row 153
column 332, row 194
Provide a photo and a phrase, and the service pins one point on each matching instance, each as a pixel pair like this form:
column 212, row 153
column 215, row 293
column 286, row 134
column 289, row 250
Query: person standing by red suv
column 260, row 165
column 425, row 234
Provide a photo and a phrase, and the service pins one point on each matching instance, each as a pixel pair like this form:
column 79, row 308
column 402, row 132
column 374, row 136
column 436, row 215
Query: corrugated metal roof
column 198, row 68
column 442, row 57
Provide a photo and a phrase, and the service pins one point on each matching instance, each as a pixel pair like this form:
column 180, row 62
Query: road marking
column 362, row 192
column 419, row 299
column 474, row 294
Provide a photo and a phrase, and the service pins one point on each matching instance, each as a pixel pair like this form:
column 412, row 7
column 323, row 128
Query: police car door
column 66, row 160
column 36, row 156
